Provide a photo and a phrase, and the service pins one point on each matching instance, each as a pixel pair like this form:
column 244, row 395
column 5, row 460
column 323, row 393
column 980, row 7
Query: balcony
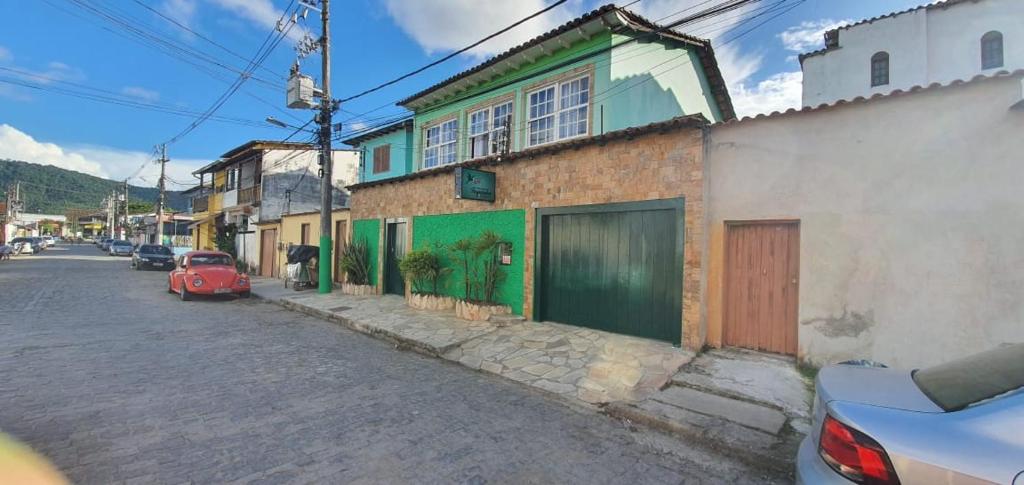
column 201, row 204
column 249, row 195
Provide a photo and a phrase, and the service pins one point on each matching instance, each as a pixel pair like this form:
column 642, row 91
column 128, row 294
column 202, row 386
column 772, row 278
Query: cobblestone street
column 117, row 381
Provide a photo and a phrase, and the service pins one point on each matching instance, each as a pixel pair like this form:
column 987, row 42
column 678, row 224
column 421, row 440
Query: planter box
column 473, row 311
column 358, row 290
column 430, row 302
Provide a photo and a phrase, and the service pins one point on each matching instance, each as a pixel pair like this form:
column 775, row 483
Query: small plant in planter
column 354, row 260
column 424, row 270
column 482, row 274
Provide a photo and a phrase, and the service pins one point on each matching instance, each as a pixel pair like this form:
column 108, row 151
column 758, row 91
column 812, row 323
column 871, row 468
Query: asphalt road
column 117, row 381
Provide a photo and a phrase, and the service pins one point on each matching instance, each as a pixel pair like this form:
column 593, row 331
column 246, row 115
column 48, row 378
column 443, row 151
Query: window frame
column 877, row 58
column 992, row 37
column 440, row 147
column 381, row 166
column 558, row 109
column 491, row 128
column 304, row 233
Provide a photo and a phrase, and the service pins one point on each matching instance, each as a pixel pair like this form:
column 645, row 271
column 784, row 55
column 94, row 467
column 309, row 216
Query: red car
column 207, row 273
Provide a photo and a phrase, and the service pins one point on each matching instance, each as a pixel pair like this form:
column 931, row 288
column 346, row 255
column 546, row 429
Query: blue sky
column 62, row 44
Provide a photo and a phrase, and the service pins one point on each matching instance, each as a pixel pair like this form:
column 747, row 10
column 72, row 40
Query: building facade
column 605, row 71
column 887, row 229
column 935, row 43
column 276, row 237
column 259, row 182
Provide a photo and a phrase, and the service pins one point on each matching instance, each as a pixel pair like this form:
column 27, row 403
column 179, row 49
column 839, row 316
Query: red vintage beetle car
column 207, row 273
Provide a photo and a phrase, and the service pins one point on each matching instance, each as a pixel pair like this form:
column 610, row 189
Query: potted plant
column 354, row 261
column 482, row 274
column 424, row 270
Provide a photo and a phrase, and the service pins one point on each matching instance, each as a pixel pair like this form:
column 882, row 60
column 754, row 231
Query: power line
column 268, row 45
column 453, row 54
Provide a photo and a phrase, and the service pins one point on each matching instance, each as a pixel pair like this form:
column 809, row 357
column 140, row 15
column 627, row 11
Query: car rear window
column 121, row 243
column 970, row 380
column 150, row 249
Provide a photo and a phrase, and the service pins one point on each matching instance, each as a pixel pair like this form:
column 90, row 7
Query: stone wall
column 656, row 165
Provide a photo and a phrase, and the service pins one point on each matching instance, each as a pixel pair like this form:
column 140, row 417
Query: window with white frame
column 485, row 128
column 559, row 117
column 439, row 144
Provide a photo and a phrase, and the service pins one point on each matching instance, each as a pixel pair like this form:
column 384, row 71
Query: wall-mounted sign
column 474, row 184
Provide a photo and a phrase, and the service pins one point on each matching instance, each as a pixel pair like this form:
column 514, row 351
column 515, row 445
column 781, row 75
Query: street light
column 277, row 122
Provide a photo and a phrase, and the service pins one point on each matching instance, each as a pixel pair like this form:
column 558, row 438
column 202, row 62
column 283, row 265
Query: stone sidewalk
column 572, row 362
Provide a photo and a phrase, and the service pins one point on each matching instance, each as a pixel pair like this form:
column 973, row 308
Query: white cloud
column 182, row 11
column 777, row 92
column 141, row 93
column 5, row 54
column 263, row 12
column 809, row 35
column 447, row 25
column 106, row 162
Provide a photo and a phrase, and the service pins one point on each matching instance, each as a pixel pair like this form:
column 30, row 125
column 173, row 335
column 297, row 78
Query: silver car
column 957, row 423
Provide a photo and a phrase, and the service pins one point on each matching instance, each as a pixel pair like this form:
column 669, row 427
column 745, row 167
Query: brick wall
column 646, row 167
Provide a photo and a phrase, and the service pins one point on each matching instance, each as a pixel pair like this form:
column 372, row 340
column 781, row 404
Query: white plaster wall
column 911, row 219
column 925, row 46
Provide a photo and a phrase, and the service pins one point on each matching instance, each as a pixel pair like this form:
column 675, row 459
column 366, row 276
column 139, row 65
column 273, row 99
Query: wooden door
column 762, row 270
column 268, row 252
column 340, row 238
column 616, row 267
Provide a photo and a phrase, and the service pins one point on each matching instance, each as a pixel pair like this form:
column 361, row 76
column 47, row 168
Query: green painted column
column 324, row 281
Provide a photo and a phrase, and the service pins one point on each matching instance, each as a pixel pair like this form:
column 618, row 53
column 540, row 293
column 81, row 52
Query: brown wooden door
column 268, row 251
column 340, row 236
column 762, row 269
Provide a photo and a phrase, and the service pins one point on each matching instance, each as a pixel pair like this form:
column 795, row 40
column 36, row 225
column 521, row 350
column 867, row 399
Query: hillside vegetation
column 52, row 190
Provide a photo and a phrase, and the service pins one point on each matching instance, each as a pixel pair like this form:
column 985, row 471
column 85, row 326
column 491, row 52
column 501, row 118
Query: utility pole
column 124, row 226
column 160, row 199
column 326, row 159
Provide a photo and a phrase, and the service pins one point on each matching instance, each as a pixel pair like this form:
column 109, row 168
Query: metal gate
column 613, row 267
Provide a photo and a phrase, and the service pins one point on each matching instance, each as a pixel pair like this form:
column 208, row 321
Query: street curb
column 381, row 334
column 779, row 462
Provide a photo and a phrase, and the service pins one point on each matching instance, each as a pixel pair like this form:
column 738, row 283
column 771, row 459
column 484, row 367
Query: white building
column 935, row 43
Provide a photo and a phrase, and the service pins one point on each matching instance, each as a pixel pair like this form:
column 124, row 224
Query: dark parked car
column 152, row 256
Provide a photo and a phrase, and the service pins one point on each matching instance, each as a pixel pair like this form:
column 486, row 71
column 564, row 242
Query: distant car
column 956, row 423
column 120, row 247
column 26, row 245
column 207, row 273
column 50, row 241
column 105, row 244
column 40, row 242
column 152, row 256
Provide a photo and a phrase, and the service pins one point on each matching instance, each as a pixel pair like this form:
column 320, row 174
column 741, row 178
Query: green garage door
column 614, row 267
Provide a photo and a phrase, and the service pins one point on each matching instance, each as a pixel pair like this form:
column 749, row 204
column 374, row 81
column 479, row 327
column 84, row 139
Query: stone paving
column 573, row 362
column 434, row 332
column 116, row 381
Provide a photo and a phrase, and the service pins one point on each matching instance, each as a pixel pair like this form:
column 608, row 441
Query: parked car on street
column 26, row 245
column 958, row 422
column 50, row 241
column 152, row 256
column 120, row 247
column 105, row 244
column 207, row 273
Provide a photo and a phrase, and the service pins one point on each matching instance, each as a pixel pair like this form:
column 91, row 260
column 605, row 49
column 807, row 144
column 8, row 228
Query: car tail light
column 854, row 455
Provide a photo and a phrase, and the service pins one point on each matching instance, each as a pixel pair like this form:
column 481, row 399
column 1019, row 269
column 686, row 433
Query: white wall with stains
column 911, row 214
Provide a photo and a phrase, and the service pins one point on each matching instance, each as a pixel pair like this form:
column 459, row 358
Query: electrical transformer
column 301, row 91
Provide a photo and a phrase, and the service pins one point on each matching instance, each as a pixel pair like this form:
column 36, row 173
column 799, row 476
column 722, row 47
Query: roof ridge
column 917, row 88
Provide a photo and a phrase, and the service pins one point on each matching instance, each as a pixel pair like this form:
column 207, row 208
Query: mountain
column 52, row 190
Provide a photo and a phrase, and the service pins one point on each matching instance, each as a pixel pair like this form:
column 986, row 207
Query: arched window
column 992, row 50
column 880, row 69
